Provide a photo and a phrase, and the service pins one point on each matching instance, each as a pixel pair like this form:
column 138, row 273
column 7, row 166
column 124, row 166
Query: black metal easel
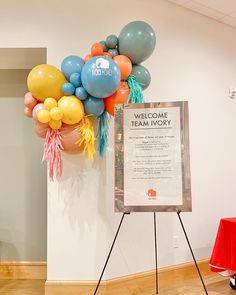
column 108, row 257
column 199, row 273
column 155, row 236
column 155, row 239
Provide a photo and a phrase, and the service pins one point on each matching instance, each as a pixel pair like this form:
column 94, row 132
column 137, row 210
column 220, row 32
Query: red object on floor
column 224, row 253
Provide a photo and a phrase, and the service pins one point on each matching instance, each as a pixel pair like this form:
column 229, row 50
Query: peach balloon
column 41, row 129
column 30, row 101
column 69, row 137
column 28, row 112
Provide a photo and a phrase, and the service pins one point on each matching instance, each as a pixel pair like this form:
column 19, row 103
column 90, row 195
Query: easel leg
column 181, row 222
column 155, row 235
column 108, row 257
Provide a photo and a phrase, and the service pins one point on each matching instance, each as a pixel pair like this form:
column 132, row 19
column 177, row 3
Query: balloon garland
column 62, row 103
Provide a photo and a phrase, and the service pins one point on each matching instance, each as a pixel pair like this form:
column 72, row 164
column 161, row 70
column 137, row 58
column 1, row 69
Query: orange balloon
column 107, row 54
column 96, row 49
column 87, row 57
column 124, row 64
column 119, row 97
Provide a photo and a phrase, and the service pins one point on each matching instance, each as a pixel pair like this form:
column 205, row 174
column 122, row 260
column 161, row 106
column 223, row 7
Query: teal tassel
column 102, row 136
column 136, row 93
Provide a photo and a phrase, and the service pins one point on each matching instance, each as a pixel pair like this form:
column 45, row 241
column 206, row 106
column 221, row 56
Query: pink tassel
column 52, row 153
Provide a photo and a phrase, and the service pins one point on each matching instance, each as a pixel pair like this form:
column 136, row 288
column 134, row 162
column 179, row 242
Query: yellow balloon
column 43, row 116
column 45, row 81
column 72, row 109
column 55, row 124
column 50, row 103
column 56, row 114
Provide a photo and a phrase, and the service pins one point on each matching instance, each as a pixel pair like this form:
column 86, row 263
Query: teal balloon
column 81, row 93
column 75, row 79
column 111, row 41
column 68, row 88
column 100, row 76
column 72, row 64
column 113, row 52
column 142, row 76
column 137, row 40
column 94, row 106
column 104, row 46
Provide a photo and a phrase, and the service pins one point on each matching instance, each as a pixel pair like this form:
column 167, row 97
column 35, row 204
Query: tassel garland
column 52, row 153
column 87, row 137
column 136, row 93
column 103, row 133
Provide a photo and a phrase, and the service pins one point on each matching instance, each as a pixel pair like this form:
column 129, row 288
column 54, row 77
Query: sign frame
column 120, row 154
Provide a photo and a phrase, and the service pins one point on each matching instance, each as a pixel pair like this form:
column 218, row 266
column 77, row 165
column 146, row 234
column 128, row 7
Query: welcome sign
column 152, row 119
column 152, row 157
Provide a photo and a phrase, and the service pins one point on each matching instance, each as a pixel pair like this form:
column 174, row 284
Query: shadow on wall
column 7, row 249
column 13, row 83
column 85, row 181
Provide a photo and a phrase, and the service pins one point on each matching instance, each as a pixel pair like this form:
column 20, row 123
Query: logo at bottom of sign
column 152, row 194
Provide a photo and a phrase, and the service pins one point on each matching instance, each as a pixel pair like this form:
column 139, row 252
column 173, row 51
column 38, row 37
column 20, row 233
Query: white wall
column 195, row 60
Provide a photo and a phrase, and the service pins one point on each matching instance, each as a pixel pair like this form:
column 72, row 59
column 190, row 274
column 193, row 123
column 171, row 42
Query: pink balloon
column 30, row 101
column 41, row 129
column 36, row 109
column 69, row 138
column 28, row 112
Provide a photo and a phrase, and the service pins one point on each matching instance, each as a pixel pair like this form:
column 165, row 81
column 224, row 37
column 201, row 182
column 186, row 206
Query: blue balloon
column 113, row 52
column 75, row 79
column 72, row 64
column 81, row 93
column 100, row 76
column 94, row 106
column 68, row 88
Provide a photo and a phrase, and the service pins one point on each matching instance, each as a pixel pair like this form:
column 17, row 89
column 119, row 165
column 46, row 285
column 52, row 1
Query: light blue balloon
column 72, row 64
column 113, row 52
column 94, row 106
column 100, row 76
column 75, row 79
column 111, row 41
column 81, row 93
column 68, row 88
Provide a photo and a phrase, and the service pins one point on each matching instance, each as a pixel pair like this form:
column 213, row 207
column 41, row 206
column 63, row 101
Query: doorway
column 23, row 180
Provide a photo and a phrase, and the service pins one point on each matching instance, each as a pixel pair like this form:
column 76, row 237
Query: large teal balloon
column 100, row 76
column 137, row 40
column 142, row 76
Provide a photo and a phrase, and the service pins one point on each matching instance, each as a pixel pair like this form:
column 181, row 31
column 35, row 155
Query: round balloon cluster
column 63, row 101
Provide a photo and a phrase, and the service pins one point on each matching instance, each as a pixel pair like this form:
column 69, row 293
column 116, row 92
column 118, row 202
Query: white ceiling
column 223, row 11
